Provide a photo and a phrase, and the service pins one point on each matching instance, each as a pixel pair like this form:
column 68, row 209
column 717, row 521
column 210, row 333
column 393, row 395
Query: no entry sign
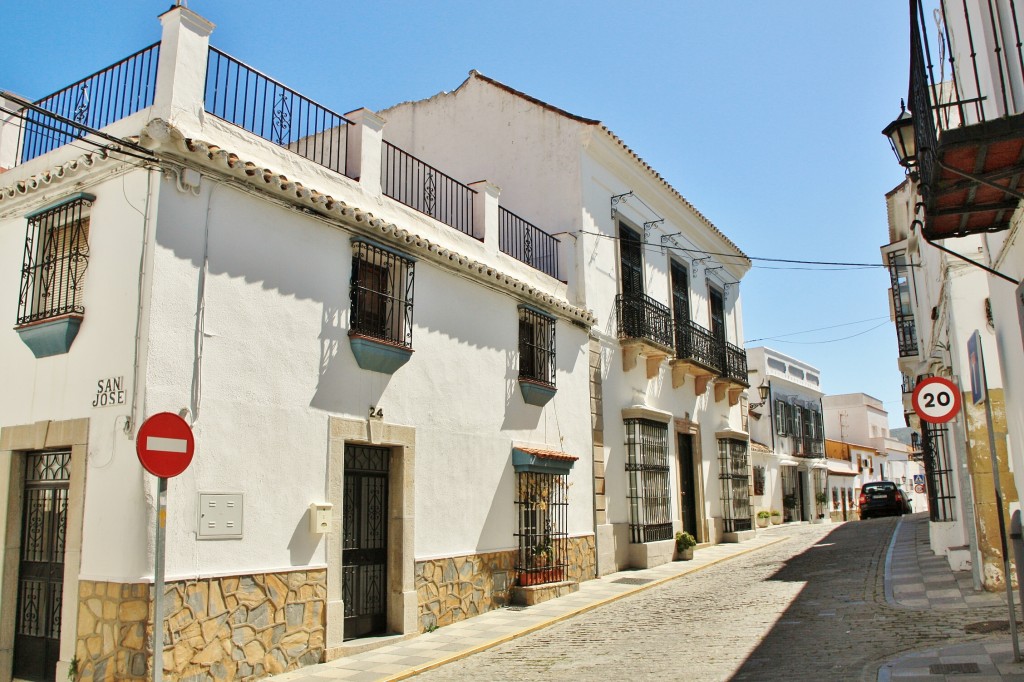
column 165, row 445
column 936, row 400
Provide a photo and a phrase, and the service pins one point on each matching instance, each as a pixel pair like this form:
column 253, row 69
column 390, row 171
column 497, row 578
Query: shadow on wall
column 302, row 545
column 336, row 392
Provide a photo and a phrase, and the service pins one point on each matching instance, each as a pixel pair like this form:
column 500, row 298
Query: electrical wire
column 819, row 329
column 741, row 259
column 842, row 338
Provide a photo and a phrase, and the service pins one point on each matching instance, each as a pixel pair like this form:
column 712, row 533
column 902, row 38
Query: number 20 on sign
column 936, row 400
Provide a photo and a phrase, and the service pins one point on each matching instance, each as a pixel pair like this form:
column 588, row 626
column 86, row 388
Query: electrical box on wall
column 220, row 516
column 320, row 517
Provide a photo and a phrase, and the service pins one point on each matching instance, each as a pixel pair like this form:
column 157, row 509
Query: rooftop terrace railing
column 239, row 94
column 527, row 242
column 96, row 101
column 419, row 185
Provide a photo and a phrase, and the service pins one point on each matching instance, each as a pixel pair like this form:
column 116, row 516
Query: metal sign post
column 158, row 580
column 165, row 446
column 979, row 393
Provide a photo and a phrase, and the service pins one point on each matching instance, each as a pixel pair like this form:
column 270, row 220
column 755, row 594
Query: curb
column 405, row 674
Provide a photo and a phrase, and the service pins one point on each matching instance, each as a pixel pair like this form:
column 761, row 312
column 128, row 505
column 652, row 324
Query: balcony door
column 717, row 313
column 680, row 303
column 631, row 262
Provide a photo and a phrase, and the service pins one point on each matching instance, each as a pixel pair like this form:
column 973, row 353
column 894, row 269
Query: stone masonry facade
column 227, row 628
column 455, row 588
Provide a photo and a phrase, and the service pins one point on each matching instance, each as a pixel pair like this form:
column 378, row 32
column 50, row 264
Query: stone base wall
column 239, row 627
column 455, row 588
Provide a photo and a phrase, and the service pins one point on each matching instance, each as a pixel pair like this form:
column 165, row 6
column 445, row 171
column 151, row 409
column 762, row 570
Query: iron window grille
column 55, row 261
column 647, row 469
column 899, row 274
column 734, row 474
column 542, row 501
column 536, row 346
column 381, row 294
column 939, row 470
column 820, row 486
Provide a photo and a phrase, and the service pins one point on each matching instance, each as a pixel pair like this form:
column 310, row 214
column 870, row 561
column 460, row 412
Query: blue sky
column 765, row 115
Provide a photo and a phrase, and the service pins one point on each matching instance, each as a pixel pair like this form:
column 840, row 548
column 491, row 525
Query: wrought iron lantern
column 763, row 390
column 900, row 134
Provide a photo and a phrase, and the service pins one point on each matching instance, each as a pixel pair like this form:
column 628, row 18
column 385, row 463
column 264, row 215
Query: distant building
column 788, row 424
column 860, row 449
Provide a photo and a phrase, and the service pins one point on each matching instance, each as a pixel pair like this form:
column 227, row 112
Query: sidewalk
column 917, row 579
column 398, row 658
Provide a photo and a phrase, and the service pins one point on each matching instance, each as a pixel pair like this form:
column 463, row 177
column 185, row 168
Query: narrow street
column 810, row 608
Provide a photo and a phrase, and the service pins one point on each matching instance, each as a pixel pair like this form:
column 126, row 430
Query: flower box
column 540, row 576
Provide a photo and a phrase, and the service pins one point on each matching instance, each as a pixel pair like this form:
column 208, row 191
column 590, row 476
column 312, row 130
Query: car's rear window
column 878, row 486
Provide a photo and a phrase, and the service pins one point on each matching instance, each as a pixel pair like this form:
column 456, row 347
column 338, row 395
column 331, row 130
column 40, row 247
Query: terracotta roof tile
column 548, row 454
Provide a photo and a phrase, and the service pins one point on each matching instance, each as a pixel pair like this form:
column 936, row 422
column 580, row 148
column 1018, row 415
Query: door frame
column 14, row 442
column 402, row 602
column 687, row 427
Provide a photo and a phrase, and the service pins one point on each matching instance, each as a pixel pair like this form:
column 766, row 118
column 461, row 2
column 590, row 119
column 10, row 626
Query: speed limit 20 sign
column 936, row 400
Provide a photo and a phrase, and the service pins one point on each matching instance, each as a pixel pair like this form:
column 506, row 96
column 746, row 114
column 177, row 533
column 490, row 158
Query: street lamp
column 763, row 390
column 901, row 137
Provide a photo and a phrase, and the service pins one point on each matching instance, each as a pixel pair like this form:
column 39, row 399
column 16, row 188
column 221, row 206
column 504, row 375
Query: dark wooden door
column 687, row 484
column 365, row 541
column 41, row 567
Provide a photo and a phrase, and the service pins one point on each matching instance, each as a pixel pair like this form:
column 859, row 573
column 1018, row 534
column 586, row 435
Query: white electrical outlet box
column 320, row 517
column 220, row 516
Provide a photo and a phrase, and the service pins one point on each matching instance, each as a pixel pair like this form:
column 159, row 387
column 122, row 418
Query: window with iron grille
column 56, row 257
column 381, row 294
column 939, row 470
column 734, row 474
column 543, row 504
column 647, row 470
column 536, row 346
column 758, row 480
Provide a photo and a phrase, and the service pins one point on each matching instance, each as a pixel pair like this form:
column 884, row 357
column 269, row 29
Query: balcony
column 94, row 102
column 645, row 329
column 526, row 242
column 698, row 354
column 969, row 120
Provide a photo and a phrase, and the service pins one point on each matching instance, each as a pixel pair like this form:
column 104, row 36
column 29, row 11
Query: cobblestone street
column 810, row 608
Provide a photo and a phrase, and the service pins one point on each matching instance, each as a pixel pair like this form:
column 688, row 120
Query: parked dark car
column 882, row 498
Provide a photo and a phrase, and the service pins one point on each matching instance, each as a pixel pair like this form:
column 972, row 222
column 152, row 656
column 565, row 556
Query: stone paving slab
column 408, row 657
column 938, row 587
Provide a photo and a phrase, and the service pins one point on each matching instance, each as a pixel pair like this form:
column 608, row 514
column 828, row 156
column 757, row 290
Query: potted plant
column 776, row 517
column 822, row 499
column 763, row 518
column 684, row 545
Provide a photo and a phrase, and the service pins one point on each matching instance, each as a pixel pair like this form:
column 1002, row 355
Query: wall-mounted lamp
column 763, row 390
column 900, row 134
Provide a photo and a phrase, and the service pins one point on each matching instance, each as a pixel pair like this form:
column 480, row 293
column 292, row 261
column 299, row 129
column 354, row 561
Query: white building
column 860, row 449
column 329, row 345
column 958, row 213
column 670, row 452
column 789, row 424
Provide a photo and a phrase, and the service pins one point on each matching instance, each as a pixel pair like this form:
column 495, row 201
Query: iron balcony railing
column 906, row 337
column 527, row 242
column 985, row 63
column 239, row 94
column 95, row 102
column 641, row 317
column 694, row 343
column 735, row 365
column 419, row 185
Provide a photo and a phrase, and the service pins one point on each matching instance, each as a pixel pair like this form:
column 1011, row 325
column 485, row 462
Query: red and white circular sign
column 165, row 445
column 936, row 400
